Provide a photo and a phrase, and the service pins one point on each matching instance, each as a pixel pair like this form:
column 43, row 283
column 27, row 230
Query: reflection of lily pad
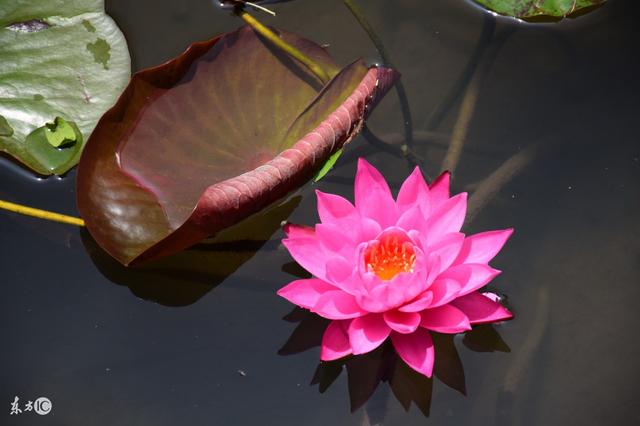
column 219, row 133
column 534, row 8
column 181, row 279
column 58, row 58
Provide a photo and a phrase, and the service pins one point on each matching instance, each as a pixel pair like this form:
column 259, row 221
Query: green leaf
column 326, row 168
column 537, row 8
column 62, row 133
column 5, row 129
column 56, row 160
column 58, row 58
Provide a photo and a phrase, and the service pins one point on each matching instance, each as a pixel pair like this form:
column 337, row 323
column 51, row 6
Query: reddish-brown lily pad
column 219, row 133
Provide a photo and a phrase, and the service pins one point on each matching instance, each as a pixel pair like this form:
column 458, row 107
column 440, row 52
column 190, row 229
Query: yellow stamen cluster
column 389, row 256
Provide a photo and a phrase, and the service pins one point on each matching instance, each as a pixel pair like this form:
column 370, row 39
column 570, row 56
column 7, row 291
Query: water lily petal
column 367, row 333
column 447, row 218
column 308, row 253
column 413, row 219
column 402, row 322
column 337, row 305
column 335, row 341
column 335, row 241
column 482, row 247
column 298, row 231
column 444, row 290
column 480, row 309
column 420, row 303
column 341, row 274
column 445, row 319
column 368, row 229
column 470, row 276
column 439, row 190
column 306, row 292
column 447, row 249
column 373, row 196
column 414, row 192
column 416, row 349
column 332, row 208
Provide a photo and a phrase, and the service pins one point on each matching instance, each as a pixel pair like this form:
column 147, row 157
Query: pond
column 201, row 338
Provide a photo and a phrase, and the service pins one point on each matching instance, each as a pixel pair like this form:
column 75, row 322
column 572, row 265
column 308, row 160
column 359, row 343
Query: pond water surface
column 200, row 339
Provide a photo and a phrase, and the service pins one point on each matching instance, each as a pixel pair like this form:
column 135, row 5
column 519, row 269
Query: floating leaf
column 5, row 129
column 328, row 165
column 62, row 133
column 196, row 145
column 58, row 58
column 534, row 8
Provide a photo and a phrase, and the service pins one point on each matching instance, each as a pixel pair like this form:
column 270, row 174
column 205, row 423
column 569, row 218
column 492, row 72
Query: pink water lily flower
column 395, row 269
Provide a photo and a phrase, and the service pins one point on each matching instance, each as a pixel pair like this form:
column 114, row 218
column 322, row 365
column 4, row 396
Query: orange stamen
column 389, row 256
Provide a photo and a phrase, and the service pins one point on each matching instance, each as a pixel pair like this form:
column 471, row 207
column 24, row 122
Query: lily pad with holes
column 538, row 8
column 204, row 141
column 58, row 58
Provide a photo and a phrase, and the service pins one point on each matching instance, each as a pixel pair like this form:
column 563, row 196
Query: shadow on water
column 183, row 278
column 366, row 372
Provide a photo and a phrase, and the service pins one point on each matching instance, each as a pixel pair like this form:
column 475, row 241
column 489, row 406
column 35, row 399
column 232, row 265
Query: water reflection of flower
column 366, row 372
column 398, row 269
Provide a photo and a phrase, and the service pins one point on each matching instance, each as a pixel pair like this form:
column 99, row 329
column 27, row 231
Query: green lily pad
column 58, row 58
column 62, row 133
column 538, row 8
column 5, row 129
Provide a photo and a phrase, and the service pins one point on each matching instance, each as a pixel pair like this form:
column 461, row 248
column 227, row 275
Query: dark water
column 184, row 342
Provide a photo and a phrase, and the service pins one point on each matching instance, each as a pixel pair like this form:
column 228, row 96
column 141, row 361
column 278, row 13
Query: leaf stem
column 42, row 214
column 377, row 42
column 438, row 115
column 274, row 38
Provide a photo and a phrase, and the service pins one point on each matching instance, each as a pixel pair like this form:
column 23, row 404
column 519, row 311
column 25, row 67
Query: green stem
column 377, row 42
column 274, row 38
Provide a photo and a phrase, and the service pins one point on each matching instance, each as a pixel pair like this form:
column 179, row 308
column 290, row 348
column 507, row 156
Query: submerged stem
column 274, row 38
column 42, row 214
column 377, row 42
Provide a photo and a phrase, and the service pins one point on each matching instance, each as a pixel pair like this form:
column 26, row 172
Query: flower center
column 389, row 256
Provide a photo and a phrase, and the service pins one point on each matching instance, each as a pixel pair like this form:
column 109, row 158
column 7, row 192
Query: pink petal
column 368, row 229
column 416, row 349
column 334, row 241
column 335, row 341
column 447, row 249
column 480, row 309
column 470, row 276
column 337, row 305
column 447, row 218
column 482, row 247
column 367, row 333
column 332, row 208
column 492, row 296
column 445, row 319
column 433, row 268
column 413, row 192
column 420, row 303
column 298, row 231
column 340, row 273
column 308, row 253
column 413, row 219
column 444, row 290
column 439, row 189
column 373, row 196
column 305, row 293
column 402, row 322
